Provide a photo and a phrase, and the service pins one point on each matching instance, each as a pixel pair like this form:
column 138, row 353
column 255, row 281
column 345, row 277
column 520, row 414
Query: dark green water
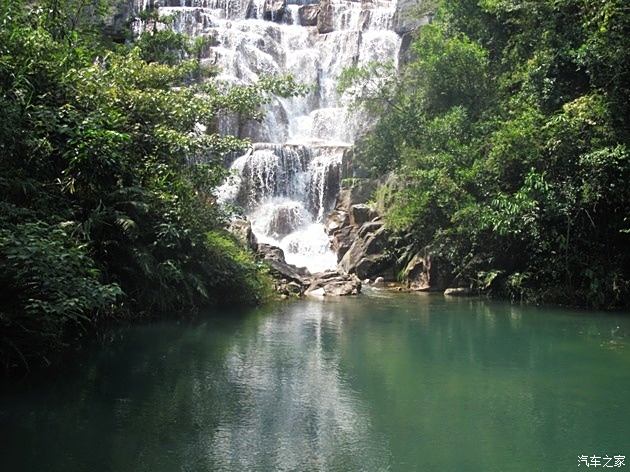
column 413, row 382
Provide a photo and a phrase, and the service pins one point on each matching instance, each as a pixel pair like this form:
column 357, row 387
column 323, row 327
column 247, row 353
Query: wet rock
column 279, row 268
column 334, row 284
column 307, row 15
column 458, row 292
column 370, row 266
column 274, row 10
column 284, row 220
column 325, row 19
column 242, row 229
column 336, row 221
column 294, row 288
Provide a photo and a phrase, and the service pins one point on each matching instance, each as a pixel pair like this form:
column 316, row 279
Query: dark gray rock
column 361, row 213
column 409, row 17
column 307, row 15
column 325, row 20
column 377, row 242
column 279, row 268
column 370, row 266
column 284, row 220
column 355, row 191
column 357, row 261
column 336, row 221
column 274, row 10
column 342, row 241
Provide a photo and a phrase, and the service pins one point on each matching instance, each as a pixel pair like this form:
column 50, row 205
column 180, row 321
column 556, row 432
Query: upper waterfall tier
column 313, row 42
column 288, row 181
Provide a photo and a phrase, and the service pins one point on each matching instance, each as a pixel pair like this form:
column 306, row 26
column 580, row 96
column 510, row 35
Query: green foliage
column 508, row 135
column 110, row 159
column 50, row 287
column 236, row 267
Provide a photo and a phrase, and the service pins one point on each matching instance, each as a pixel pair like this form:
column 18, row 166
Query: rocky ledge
column 290, row 280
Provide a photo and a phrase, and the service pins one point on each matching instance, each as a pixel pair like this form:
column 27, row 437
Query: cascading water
column 289, row 179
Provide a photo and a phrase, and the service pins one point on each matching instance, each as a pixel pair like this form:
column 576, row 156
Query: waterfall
column 289, row 179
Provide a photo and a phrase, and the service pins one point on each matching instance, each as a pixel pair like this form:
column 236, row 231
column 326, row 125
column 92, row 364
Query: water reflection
column 376, row 383
column 296, row 411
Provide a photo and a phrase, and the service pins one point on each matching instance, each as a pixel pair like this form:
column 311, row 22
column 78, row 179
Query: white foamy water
column 288, row 181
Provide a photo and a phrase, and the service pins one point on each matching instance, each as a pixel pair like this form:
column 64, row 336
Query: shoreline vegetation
column 503, row 146
column 110, row 155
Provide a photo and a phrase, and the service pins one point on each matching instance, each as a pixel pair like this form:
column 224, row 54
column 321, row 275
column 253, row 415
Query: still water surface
column 403, row 383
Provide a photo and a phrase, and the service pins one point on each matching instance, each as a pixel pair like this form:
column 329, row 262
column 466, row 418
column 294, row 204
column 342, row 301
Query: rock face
column 308, row 14
column 297, row 281
column 274, row 10
column 406, row 18
column 325, row 20
column 361, row 213
column 358, row 235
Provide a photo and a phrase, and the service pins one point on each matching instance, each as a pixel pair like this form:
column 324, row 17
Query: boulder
column 421, row 272
column 334, row 284
column 369, row 266
column 242, row 229
column 284, row 220
column 361, row 213
column 274, row 10
column 307, row 15
column 325, row 19
column 458, row 292
column 270, row 252
column 279, row 268
column 357, row 261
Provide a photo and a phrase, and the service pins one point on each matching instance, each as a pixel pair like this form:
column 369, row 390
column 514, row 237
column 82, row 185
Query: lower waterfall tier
column 286, row 191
